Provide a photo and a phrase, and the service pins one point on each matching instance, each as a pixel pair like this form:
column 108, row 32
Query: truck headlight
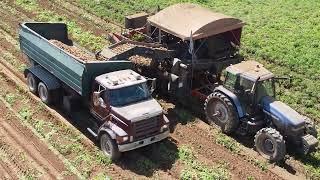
column 121, row 139
column 164, row 128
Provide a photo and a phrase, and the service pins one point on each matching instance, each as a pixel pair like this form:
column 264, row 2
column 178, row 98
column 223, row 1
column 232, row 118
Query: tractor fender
column 234, row 99
column 43, row 75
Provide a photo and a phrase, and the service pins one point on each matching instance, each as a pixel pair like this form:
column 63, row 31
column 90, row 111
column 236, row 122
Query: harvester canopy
column 182, row 19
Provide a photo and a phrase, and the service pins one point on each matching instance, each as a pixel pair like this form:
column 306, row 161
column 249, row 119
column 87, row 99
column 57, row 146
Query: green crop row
column 196, row 169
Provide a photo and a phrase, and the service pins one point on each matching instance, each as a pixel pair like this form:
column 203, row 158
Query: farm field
column 279, row 38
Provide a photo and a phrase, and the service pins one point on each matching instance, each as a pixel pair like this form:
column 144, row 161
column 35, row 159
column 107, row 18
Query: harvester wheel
column 220, row 110
column 32, row 83
column 310, row 128
column 44, row 93
column 270, row 144
column 109, row 147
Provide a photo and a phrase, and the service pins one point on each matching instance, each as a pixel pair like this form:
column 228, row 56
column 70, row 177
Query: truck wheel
column 44, row 93
column 66, row 102
column 220, row 110
column 310, row 128
column 270, row 144
column 109, row 147
column 32, row 83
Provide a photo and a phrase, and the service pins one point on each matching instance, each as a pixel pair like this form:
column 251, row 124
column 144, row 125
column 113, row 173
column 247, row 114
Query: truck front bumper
column 143, row 142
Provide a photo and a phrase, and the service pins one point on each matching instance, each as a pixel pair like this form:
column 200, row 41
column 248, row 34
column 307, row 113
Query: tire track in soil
column 224, row 149
column 6, row 172
column 19, row 137
column 204, row 145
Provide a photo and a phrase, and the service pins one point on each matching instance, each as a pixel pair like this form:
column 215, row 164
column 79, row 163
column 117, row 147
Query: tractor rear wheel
column 270, row 144
column 220, row 110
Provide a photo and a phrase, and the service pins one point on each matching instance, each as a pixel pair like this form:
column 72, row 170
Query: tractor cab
column 250, row 82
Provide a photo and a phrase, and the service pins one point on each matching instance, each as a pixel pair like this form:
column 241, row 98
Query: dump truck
column 187, row 48
column 126, row 116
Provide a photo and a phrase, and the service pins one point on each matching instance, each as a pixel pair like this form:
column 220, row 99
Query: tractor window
column 265, row 88
column 245, row 84
column 230, row 81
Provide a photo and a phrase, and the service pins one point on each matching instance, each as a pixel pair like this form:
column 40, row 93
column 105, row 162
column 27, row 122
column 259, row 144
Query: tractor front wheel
column 270, row 144
column 220, row 110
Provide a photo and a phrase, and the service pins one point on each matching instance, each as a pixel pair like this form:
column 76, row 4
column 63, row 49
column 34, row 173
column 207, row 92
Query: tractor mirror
column 285, row 81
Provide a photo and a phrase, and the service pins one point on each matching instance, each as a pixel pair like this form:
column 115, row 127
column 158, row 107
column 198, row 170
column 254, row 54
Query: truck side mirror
column 95, row 98
column 102, row 103
column 151, row 84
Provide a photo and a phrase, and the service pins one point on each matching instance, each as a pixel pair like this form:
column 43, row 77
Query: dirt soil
column 17, row 140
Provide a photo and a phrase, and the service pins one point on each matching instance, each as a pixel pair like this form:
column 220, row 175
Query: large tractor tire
column 109, row 147
column 220, row 110
column 310, row 128
column 270, row 144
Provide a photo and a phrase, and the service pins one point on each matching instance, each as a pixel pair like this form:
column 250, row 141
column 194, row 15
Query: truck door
column 100, row 106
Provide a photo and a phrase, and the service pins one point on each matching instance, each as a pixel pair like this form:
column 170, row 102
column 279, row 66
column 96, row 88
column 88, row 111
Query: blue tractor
column 246, row 103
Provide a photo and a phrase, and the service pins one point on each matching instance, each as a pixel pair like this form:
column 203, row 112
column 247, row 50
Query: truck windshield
column 128, row 95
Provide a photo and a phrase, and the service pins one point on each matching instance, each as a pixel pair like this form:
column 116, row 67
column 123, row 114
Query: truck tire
column 44, row 93
column 66, row 104
column 109, row 147
column 270, row 144
column 32, row 83
column 220, row 110
column 310, row 128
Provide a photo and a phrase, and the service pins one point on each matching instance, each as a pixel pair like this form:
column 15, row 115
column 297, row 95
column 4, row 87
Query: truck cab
column 127, row 115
